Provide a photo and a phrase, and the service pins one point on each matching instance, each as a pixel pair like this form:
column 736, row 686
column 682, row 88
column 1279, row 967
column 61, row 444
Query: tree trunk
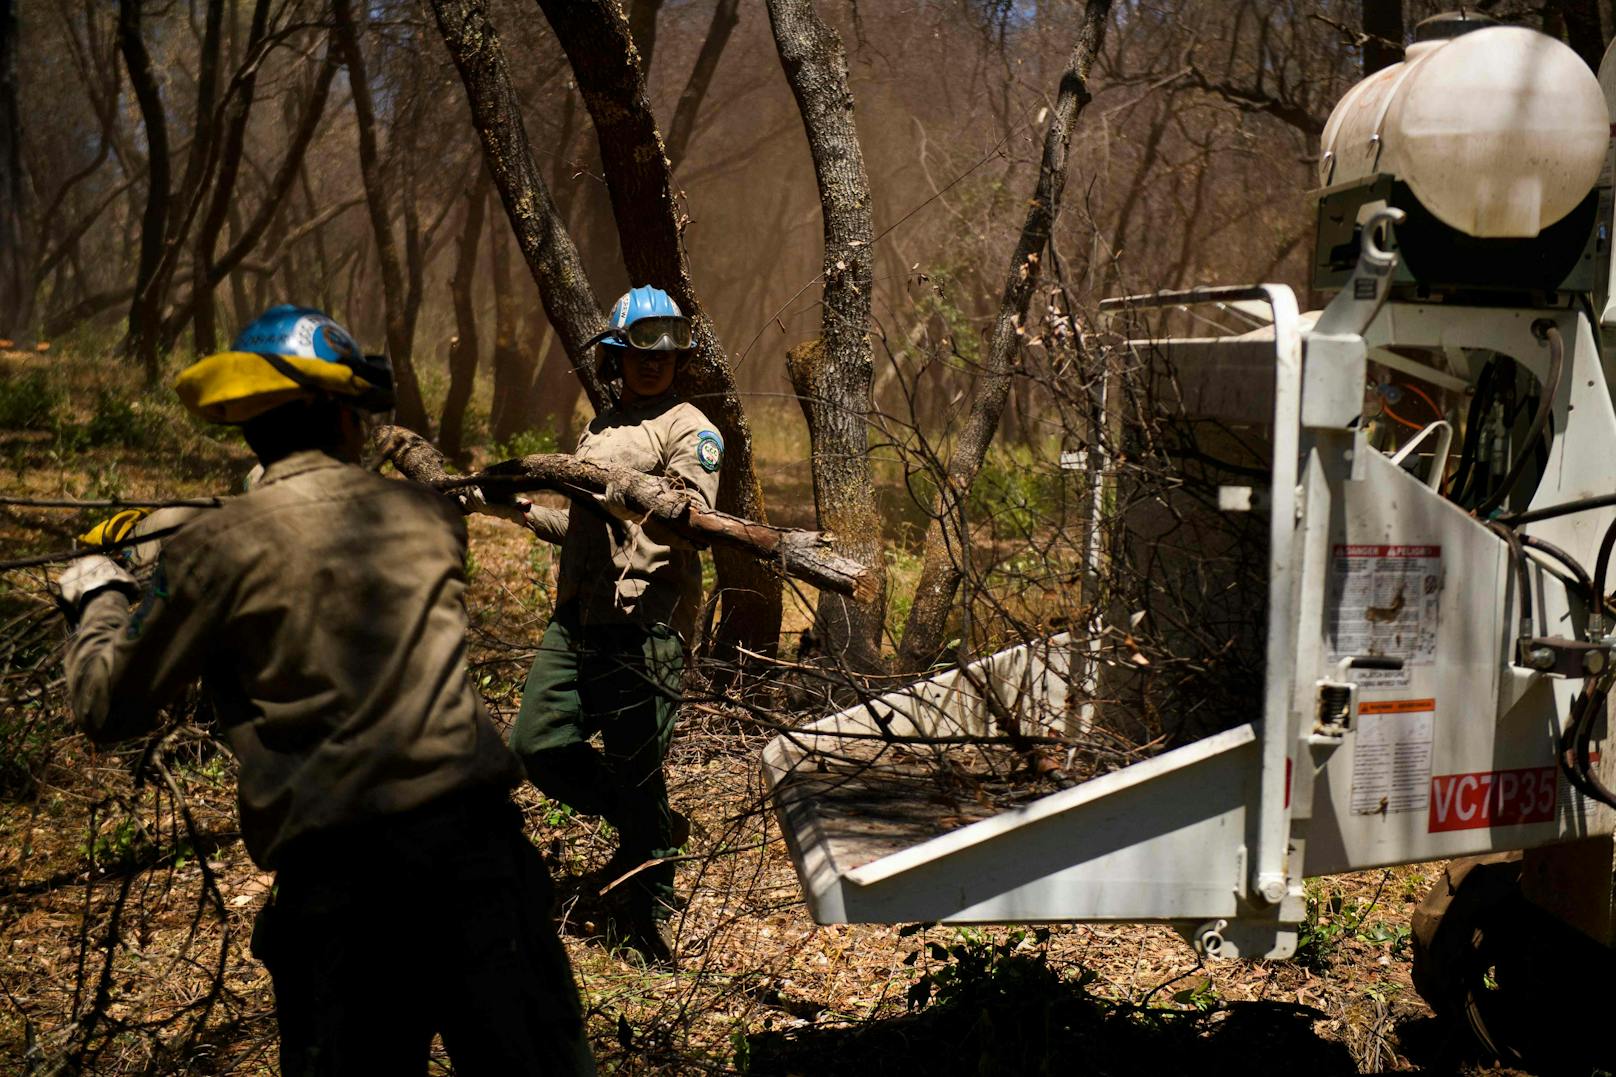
column 1582, row 29
column 400, row 335
column 595, row 36
column 145, row 306
column 564, row 289
column 16, row 270
column 228, row 208
column 555, row 387
column 463, row 352
column 946, row 554
column 1383, row 25
column 642, row 16
column 204, row 335
column 726, row 13
column 513, row 370
column 832, row 375
column 197, row 159
column 1384, row 29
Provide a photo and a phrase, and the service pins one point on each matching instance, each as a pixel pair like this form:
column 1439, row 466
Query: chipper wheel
column 1530, row 989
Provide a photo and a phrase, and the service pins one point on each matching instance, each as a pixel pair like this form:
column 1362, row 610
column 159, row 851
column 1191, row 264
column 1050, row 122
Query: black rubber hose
column 1523, row 574
column 1573, row 744
column 1540, row 420
column 1602, row 564
column 1480, row 400
column 1585, row 583
column 1565, row 508
column 1579, row 768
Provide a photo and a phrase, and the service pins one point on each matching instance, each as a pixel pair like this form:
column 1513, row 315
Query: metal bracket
column 1355, row 306
column 1561, row 657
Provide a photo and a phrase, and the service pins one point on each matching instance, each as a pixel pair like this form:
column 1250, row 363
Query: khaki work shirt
column 632, row 574
column 325, row 612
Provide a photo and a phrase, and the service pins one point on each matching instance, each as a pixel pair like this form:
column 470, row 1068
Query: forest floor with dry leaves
column 126, row 899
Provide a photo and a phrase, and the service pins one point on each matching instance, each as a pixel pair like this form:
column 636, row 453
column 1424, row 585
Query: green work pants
column 622, row 683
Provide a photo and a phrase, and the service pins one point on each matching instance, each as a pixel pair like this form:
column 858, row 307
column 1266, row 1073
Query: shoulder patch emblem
column 710, row 450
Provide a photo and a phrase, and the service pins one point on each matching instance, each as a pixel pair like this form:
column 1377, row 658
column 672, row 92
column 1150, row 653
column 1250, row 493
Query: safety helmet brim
column 234, row 386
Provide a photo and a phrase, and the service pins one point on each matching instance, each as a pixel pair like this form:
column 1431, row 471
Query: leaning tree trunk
column 1582, row 29
column 379, row 200
column 832, row 375
column 463, row 352
column 595, row 36
column 946, row 553
column 564, row 289
column 512, row 368
column 1383, row 33
column 145, row 308
column 553, row 386
column 726, row 13
column 16, row 270
column 225, row 208
column 204, row 332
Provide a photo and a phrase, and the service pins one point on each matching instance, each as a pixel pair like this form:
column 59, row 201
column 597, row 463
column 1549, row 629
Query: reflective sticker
column 710, row 450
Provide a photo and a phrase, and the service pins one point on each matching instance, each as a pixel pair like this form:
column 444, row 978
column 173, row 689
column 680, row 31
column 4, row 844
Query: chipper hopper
column 1437, row 640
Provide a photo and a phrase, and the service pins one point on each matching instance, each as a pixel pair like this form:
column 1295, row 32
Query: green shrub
column 29, row 402
column 115, row 420
column 1016, row 488
column 976, row 972
column 1333, row 918
column 526, row 443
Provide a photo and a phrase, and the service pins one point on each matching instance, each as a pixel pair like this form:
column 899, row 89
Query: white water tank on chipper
column 1492, row 139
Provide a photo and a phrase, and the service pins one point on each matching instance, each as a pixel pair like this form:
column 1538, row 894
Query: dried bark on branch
column 803, row 555
column 947, row 548
column 832, row 375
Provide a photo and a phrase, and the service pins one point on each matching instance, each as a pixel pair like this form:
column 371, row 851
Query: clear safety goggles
column 658, row 334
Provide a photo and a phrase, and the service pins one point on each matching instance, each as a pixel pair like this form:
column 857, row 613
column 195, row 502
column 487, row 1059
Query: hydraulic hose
column 1479, row 401
column 1575, row 758
column 1545, row 408
column 1523, row 574
column 1601, row 568
column 1585, row 583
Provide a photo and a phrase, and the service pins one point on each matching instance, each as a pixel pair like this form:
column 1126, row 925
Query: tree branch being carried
column 803, row 555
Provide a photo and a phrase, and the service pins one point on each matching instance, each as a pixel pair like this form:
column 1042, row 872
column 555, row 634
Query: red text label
column 1493, row 798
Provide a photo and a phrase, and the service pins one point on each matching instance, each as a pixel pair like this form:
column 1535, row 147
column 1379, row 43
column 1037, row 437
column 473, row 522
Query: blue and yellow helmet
column 288, row 353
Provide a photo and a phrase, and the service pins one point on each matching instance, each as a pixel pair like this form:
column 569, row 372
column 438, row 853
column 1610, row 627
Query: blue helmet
column 645, row 319
column 297, row 332
column 284, row 354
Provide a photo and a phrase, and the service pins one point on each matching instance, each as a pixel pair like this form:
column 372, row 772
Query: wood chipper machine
column 1438, row 646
